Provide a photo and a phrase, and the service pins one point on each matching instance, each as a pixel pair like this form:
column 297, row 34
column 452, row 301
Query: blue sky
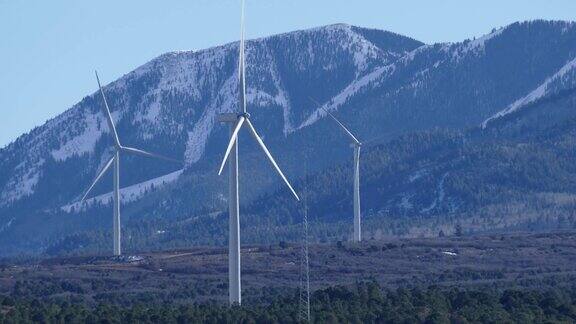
column 49, row 49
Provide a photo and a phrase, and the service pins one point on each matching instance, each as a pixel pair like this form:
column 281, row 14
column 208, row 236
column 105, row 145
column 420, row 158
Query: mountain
column 516, row 174
column 411, row 103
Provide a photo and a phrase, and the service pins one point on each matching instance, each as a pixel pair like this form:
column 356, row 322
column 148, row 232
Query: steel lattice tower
column 304, row 289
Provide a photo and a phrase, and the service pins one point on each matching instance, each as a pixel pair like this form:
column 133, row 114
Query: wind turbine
column 236, row 121
column 356, row 144
column 118, row 148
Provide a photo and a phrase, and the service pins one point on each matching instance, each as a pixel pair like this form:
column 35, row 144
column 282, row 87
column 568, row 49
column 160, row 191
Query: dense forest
column 361, row 303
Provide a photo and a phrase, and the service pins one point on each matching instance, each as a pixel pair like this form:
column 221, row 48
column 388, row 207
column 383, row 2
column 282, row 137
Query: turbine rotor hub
column 245, row 115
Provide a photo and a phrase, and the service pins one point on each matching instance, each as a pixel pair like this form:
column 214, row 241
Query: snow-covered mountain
column 176, row 97
column 380, row 83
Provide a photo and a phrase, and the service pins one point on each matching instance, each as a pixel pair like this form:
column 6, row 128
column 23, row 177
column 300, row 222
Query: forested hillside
column 454, row 134
column 518, row 174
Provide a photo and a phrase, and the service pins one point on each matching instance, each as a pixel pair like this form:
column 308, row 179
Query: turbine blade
column 241, row 44
column 345, row 129
column 233, row 139
column 349, row 133
column 265, row 149
column 107, row 113
column 102, row 172
column 147, row 154
column 242, row 63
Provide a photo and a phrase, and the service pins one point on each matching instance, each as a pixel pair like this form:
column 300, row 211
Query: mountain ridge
column 168, row 105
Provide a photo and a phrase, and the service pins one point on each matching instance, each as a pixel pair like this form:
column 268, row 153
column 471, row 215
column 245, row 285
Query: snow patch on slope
column 363, row 49
column 348, row 92
column 405, row 202
column 281, row 97
column 7, row 225
column 563, row 75
column 441, row 194
column 86, row 141
column 23, row 183
column 471, row 47
column 225, row 101
column 360, row 83
column 265, row 69
column 417, row 175
column 180, row 72
column 343, row 37
column 409, row 57
column 261, row 98
column 128, row 194
column 477, row 45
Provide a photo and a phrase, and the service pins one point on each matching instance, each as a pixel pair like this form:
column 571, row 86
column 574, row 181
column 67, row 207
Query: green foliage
column 362, row 303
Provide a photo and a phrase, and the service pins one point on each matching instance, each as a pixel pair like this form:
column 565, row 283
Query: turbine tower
column 236, row 121
column 356, row 145
column 118, row 148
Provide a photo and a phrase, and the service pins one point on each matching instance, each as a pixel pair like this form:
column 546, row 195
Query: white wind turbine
column 118, row 148
column 236, row 121
column 356, row 144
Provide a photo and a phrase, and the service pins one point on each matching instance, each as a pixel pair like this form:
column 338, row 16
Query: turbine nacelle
column 241, row 120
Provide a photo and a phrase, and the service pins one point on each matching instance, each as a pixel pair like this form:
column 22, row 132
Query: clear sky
column 49, row 49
